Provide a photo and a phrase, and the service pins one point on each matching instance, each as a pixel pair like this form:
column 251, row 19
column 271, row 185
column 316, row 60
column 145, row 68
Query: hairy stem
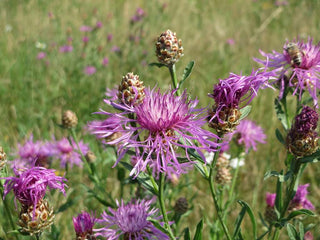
column 172, row 69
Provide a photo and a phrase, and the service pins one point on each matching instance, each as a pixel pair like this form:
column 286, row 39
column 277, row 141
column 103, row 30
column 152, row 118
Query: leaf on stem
column 280, row 113
column 198, row 234
column 186, row 73
column 159, row 65
column 245, row 112
column 251, row 215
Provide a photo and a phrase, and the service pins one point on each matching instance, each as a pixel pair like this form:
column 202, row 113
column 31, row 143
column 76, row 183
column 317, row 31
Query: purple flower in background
column 131, row 222
column 281, row 3
column 298, row 66
column 249, row 134
column 85, row 39
column 31, row 185
column 270, row 199
column 230, row 41
column 85, row 28
column 300, row 199
column 99, row 24
column 83, row 225
column 66, row 48
column 115, row 49
column 140, row 14
column 308, row 236
column 89, row 70
column 41, row 55
column 109, row 37
column 163, row 123
column 68, row 153
column 105, row 61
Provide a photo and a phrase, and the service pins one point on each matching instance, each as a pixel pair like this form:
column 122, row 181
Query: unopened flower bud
column 69, row 119
column 270, row 214
column 90, row 157
column 222, row 161
column 302, row 144
column 223, row 176
column 131, row 90
column 3, row 158
column 168, row 48
column 181, row 206
column 35, row 221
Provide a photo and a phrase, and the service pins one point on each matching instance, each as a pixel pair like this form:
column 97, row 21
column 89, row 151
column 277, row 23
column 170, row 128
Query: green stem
column 276, row 234
column 172, row 69
column 215, row 200
column 162, row 205
column 284, row 102
column 154, row 184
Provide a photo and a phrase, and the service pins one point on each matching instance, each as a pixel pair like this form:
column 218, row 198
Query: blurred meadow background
column 40, row 77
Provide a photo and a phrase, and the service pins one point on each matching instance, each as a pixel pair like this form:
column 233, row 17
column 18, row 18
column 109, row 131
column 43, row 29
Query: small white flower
column 237, row 162
column 209, row 157
column 8, row 28
column 41, row 45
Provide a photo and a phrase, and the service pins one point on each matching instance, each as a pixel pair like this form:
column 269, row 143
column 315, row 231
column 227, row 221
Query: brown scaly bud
column 223, row 176
column 90, row 157
column 69, row 119
column 168, row 48
column 131, row 90
column 229, row 120
column 222, row 161
column 35, row 221
column 181, row 206
column 270, row 214
column 3, row 158
column 302, row 144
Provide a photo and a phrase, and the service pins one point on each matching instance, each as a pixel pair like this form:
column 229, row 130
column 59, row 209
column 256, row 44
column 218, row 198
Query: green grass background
column 33, row 94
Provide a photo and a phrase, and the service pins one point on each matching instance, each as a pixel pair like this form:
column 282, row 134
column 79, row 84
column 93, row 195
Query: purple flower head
column 249, row 134
column 308, row 236
column 89, row 70
column 30, row 186
column 237, row 91
column 66, row 48
column 109, row 37
column 140, row 14
column 115, row 49
column 306, row 121
column 300, row 199
column 41, row 55
column 83, row 225
column 301, row 61
column 105, row 61
column 108, row 130
column 270, row 199
column 85, row 28
column 99, row 24
column 131, row 222
column 32, row 154
column 163, row 123
column 85, row 39
column 230, row 41
column 68, row 153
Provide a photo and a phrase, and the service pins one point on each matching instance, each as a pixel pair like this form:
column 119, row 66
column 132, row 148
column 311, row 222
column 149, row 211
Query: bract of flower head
column 163, row 123
column 83, row 225
column 249, row 134
column 130, row 221
column 30, row 186
column 69, row 153
column 301, row 61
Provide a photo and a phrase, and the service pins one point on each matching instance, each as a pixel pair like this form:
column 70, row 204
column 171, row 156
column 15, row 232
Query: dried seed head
column 3, row 158
column 181, row 206
column 223, row 176
column 69, row 119
column 131, row 90
column 34, row 221
column 222, row 161
column 90, row 157
column 229, row 119
column 302, row 144
column 168, row 48
column 270, row 214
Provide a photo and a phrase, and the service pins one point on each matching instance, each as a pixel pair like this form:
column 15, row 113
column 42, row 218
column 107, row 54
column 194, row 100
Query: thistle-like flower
column 163, row 124
column 168, row 48
column 232, row 94
column 300, row 200
column 302, row 139
column 130, row 221
column 298, row 66
column 83, row 226
column 270, row 214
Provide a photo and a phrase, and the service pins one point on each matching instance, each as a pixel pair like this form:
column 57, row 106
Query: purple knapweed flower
column 41, row 55
column 83, row 225
column 230, row 41
column 140, row 14
column 163, row 123
column 66, row 49
column 99, row 24
column 85, row 39
column 30, row 186
column 105, row 61
column 307, row 120
column 109, row 37
column 308, row 236
column 115, row 49
column 300, row 199
column 68, row 154
column 298, row 66
column 85, row 28
column 32, row 154
column 130, row 221
column 108, row 130
column 270, row 199
column 249, row 134
column 90, row 70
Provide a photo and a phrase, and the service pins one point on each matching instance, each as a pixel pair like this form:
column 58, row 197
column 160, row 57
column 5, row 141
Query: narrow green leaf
column 278, row 201
column 292, row 232
column 252, row 218
column 65, row 206
column 263, row 221
column 157, row 225
column 238, row 222
column 198, row 234
column 159, row 65
column 186, row 73
column 300, row 212
column 280, row 114
column 271, row 174
column 201, row 169
column 245, row 112
column 262, row 236
column 279, row 136
column 301, row 231
column 187, row 234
